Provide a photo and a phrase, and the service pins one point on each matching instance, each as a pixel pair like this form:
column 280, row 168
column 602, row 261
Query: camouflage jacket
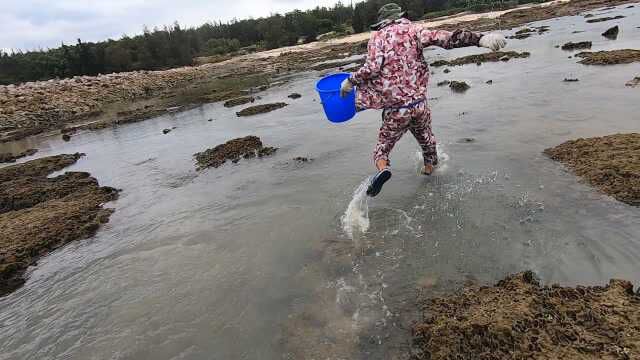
column 395, row 73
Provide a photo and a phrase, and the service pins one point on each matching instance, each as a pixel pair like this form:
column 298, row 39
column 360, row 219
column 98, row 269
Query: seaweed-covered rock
column 607, row 18
column 459, row 86
column 10, row 158
column 577, row 46
column 610, row 163
column 611, row 57
column 246, row 147
column 493, row 56
column 261, row 109
column 519, row 319
column 39, row 214
column 239, row 101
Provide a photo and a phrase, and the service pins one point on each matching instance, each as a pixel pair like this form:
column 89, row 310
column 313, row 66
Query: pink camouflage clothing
column 395, row 77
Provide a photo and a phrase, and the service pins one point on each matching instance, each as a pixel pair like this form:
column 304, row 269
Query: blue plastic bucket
column 338, row 109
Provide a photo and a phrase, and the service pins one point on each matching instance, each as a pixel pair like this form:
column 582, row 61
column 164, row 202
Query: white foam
column 443, row 158
column 356, row 217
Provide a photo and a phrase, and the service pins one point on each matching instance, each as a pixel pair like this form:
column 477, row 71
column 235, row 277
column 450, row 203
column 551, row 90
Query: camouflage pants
column 396, row 122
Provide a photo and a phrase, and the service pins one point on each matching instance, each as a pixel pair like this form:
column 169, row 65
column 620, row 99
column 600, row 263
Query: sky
column 34, row 24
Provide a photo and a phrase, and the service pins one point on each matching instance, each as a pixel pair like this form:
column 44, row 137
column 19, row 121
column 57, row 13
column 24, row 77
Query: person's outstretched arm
column 460, row 38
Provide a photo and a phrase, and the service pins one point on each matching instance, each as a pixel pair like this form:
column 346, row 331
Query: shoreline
column 96, row 102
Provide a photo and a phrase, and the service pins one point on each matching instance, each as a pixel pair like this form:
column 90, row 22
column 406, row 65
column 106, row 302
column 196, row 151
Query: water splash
column 443, row 158
column 356, row 217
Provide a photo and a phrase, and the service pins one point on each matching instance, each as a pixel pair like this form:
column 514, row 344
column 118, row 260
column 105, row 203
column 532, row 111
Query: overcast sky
column 31, row 24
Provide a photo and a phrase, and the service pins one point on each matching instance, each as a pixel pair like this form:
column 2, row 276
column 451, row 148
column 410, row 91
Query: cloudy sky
column 31, row 24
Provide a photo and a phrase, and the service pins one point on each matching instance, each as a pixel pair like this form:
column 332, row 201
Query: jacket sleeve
column 373, row 63
column 448, row 39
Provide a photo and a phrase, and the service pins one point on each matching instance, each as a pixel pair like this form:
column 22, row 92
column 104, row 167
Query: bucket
column 338, row 109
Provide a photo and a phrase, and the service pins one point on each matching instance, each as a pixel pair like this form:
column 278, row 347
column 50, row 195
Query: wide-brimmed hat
column 387, row 13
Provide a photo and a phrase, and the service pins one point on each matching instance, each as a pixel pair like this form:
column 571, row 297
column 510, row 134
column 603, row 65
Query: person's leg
column 420, row 127
column 394, row 125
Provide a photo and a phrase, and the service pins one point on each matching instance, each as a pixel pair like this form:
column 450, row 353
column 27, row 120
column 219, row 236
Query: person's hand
column 493, row 41
column 345, row 87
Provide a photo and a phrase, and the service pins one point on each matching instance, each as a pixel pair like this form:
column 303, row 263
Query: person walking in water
column 395, row 78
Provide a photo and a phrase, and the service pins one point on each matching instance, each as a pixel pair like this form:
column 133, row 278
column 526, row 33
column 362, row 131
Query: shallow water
column 251, row 261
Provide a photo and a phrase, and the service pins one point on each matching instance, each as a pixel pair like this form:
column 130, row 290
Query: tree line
column 174, row 46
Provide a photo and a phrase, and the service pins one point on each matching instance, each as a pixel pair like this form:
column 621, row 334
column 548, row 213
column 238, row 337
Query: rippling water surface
column 252, row 260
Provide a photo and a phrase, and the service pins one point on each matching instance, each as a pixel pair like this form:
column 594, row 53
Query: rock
column 443, row 83
column 598, row 161
column 446, row 71
column 210, row 120
column 578, row 45
column 605, row 19
column 302, row 159
column 492, row 56
column 39, row 214
column 239, row 101
column 294, row 96
column 570, row 80
column 459, row 86
column 518, row 318
column 489, row 82
column 260, row 109
column 524, row 31
column 10, row 158
column 246, row 147
column 611, row 33
column 542, row 29
column 505, row 58
column 166, row 131
column 66, row 137
column 467, row 140
column 611, row 57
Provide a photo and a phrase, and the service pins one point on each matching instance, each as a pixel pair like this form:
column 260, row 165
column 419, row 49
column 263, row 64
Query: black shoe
column 377, row 181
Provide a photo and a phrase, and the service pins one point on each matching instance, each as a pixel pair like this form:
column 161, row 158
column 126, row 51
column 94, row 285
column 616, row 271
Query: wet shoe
column 377, row 181
column 429, row 169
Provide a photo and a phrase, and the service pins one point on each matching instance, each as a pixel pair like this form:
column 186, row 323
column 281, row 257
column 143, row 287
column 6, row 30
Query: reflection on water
column 251, row 260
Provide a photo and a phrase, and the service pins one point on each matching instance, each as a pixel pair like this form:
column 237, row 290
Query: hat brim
column 377, row 25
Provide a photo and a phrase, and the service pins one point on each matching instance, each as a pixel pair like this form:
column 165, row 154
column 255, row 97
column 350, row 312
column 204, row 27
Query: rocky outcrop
column 246, row 147
column 39, row 214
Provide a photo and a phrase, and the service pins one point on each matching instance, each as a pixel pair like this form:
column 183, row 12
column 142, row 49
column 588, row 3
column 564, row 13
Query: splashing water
column 356, row 217
column 443, row 158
